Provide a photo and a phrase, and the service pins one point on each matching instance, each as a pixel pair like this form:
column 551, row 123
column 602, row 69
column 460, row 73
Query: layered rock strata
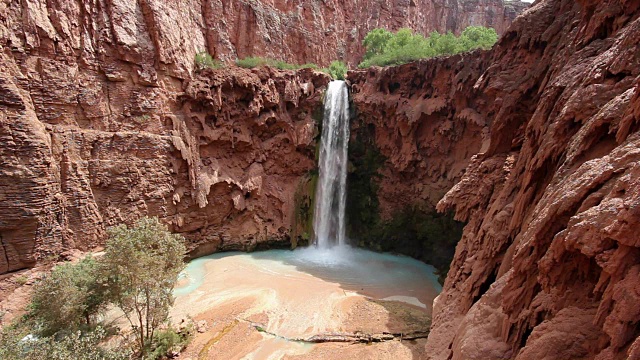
column 219, row 161
column 165, row 35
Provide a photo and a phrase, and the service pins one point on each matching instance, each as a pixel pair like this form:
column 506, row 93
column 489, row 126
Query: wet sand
column 257, row 306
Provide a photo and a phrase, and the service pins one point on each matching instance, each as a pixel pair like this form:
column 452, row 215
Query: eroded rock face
column 163, row 36
column 323, row 31
column 101, row 122
column 219, row 161
column 548, row 263
column 425, row 121
column 547, row 267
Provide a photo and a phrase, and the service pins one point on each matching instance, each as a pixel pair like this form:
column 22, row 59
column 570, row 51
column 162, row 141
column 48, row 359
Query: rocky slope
column 548, row 264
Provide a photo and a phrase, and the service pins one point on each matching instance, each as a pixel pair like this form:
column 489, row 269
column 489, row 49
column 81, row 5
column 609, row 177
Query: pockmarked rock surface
column 104, row 119
column 425, row 120
column 548, row 266
column 219, row 160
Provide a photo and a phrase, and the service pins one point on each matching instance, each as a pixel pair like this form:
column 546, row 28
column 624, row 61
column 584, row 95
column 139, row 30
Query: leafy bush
column 17, row 344
column 137, row 274
column 253, row 62
column 169, row 341
column 67, row 298
column 337, row 70
column 205, row 60
column 140, row 268
column 386, row 48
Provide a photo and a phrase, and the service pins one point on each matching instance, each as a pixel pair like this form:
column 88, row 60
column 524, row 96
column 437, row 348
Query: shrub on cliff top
column 205, row 60
column 256, row 61
column 386, row 48
column 337, row 70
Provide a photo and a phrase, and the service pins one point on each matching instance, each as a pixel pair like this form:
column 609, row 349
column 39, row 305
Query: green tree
column 376, row 41
column 384, row 48
column 67, row 298
column 16, row 344
column 445, row 44
column 140, row 268
column 478, row 37
column 338, row 70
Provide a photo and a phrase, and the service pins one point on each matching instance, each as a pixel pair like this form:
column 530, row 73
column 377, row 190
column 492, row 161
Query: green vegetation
column 252, row 62
column 169, row 341
column 137, row 274
column 304, row 198
column 421, row 233
column 140, row 268
column 73, row 346
column 386, row 48
column 21, row 280
column 69, row 298
column 417, row 231
column 337, row 70
column 205, row 60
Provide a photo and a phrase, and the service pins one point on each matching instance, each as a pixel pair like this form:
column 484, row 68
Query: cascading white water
column 331, row 192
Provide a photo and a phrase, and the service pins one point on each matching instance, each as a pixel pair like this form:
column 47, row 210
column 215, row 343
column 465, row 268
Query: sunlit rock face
column 548, row 263
column 219, row 160
column 322, row 31
column 104, row 120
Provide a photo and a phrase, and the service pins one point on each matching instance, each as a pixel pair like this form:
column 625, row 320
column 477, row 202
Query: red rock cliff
column 101, row 120
column 323, row 31
column 219, row 161
column 164, row 35
column 549, row 263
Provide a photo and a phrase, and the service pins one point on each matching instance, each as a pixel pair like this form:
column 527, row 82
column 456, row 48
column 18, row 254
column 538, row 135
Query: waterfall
column 331, row 192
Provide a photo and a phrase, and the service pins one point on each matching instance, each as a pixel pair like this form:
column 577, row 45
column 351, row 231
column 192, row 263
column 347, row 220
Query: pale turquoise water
column 377, row 275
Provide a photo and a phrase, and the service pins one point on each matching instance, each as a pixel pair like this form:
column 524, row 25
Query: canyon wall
column 415, row 128
column 219, row 161
column 103, row 119
column 548, row 265
column 163, row 36
column 322, row 31
column 535, row 144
